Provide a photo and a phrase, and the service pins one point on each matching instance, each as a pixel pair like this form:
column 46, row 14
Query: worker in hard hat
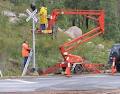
column 43, row 17
column 25, row 51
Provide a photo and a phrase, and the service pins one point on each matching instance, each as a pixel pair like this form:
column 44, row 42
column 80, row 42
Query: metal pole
column 33, row 44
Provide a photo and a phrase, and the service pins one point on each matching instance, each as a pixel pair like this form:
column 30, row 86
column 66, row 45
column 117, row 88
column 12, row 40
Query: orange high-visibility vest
column 25, row 50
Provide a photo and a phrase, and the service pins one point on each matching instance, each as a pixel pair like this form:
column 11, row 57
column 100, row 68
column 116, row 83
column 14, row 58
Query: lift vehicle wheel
column 118, row 66
column 78, row 69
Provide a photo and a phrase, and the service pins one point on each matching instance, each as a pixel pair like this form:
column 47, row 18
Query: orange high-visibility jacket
column 25, row 49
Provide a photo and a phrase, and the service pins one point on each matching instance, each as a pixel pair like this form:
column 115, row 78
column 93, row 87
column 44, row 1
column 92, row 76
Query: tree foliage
column 82, row 4
column 112, row 25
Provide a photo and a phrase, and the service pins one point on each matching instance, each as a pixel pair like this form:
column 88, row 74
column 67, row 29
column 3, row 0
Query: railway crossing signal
column 32, row 15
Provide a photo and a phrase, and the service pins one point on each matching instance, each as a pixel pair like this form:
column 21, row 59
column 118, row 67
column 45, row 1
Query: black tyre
column 118, row 66
column 78, row 69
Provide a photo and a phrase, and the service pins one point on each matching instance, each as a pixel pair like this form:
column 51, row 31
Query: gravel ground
column 70, row 92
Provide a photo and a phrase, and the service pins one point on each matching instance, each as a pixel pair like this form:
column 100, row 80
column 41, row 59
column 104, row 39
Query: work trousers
column 42, row 27
column 25, row 60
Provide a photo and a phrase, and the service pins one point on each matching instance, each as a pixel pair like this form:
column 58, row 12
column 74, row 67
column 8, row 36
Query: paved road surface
column 81, row 82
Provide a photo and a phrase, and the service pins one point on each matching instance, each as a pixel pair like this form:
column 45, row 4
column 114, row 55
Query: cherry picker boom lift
column 74, row 62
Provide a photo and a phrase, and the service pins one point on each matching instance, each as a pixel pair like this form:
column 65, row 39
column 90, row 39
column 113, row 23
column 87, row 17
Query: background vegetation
column 47, row 52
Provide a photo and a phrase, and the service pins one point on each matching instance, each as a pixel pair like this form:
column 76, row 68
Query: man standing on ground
column 25, row 51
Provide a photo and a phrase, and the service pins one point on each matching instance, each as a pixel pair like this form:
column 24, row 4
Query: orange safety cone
column 113, row 68
column 68, row 71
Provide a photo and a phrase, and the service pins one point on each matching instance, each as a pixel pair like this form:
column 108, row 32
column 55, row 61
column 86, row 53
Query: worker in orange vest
column 25, row 51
